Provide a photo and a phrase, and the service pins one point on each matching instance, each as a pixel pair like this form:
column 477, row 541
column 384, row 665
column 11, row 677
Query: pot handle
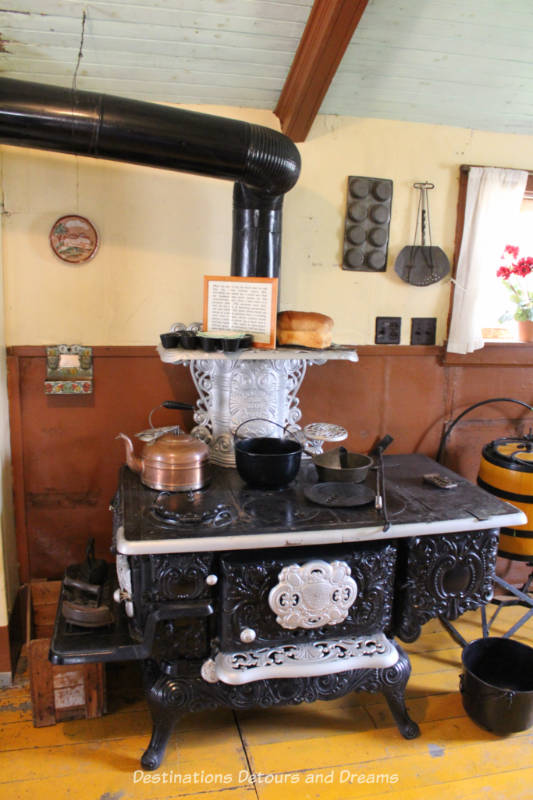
column 499, row 694
column 264, row 419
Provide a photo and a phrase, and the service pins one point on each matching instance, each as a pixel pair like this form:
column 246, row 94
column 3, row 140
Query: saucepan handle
column 263, row 419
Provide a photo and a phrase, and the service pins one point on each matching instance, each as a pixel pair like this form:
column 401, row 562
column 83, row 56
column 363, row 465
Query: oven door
column 305, row 594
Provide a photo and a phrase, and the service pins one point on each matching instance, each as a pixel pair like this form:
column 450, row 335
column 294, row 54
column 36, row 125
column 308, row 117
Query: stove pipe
column 263, row 163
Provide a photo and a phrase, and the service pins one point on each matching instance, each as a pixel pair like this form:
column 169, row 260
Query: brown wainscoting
column 65, row 454
column 66, row 457
column 5, row 650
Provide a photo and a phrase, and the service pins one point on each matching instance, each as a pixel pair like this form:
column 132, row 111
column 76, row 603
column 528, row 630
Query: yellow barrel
column 506, row 470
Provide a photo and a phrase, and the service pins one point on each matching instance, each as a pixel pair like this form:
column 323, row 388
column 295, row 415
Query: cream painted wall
column 162, row 231
column 8, row 556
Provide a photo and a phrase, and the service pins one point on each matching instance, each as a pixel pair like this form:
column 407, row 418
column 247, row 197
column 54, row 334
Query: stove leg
column 159, row 695
column 393, row 685
column 396, row 701
column 163, row 720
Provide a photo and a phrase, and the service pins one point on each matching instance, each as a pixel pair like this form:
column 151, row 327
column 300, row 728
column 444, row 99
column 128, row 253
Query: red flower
column 523, row 267
column 512, row 250
column 504, row 272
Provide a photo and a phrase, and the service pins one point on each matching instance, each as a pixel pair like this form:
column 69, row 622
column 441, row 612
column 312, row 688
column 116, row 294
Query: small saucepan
column 340, row 465
column 266, row 462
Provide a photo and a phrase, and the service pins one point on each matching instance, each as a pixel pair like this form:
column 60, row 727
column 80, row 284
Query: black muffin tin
column 366, row 228
column 170, row 339
column 188, row 340
column 211, row 344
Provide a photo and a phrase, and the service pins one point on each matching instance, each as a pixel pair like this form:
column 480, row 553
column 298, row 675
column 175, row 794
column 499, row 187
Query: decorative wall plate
column 74, row 239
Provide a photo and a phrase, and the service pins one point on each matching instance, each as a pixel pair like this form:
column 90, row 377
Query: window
column 498, row 321
column 489, row 204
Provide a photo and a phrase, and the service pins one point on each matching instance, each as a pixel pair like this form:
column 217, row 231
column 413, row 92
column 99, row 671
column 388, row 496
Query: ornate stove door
column 444, row 576
column 305, row 594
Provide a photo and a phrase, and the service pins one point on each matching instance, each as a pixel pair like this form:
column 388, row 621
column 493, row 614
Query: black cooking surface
column 228, row 507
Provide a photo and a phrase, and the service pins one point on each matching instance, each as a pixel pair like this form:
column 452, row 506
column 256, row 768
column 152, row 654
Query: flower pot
column 525, row 330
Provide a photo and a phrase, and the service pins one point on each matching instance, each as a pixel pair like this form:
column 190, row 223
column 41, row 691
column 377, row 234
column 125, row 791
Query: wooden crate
column 58, row 693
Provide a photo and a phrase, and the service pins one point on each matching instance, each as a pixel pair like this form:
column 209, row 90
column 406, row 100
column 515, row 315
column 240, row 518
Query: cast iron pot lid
column 339, row 494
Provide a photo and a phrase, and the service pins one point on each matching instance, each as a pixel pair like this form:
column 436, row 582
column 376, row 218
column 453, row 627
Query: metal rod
column 454, row 633
column 447, row 431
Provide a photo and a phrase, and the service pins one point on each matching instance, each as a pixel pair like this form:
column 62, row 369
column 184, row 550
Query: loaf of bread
column 304, row 328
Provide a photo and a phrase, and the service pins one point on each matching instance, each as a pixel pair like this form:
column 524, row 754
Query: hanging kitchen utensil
column 421, row 265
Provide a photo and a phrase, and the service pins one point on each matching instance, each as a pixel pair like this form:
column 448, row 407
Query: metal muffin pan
column 366, row 228
column 209, row 344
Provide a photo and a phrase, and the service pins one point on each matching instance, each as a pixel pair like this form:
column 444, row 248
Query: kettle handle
column 170, row 404
column 177, row 405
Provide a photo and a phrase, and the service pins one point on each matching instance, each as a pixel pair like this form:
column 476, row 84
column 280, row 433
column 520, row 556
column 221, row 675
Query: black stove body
column 245, row 598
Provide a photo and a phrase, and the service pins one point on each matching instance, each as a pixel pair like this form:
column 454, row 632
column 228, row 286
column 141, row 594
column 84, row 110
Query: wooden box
column 58, row 693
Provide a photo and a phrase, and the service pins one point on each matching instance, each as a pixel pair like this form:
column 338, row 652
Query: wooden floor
column 348, row 748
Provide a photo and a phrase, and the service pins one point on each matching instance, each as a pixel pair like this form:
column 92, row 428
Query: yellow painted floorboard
column 338, row 750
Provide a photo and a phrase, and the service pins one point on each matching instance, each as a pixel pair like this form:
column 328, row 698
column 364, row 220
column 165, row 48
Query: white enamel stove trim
column 254, row 541
column 324, row 657
column 313, row 594
column 123, row 594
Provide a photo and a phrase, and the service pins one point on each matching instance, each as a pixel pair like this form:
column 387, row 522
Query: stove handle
column 381, row 446
column 381, row 497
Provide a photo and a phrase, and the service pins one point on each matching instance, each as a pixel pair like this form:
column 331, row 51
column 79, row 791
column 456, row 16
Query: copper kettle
column 170, row 460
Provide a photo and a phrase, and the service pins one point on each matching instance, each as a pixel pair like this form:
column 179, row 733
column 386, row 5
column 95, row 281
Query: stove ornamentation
column 170, row 696
column 313, row 594
column 325, row 657
column 217, row 517
column 233, row 391
column 446, row 576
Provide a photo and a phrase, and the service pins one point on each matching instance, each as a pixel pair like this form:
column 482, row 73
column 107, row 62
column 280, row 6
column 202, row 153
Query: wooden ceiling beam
column 328, row 32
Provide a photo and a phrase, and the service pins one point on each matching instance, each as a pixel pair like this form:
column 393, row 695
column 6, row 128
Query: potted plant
column 515, row 273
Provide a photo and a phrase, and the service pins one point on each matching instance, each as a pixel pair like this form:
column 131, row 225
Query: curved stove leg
column 164, row 716
column 396, row 701
column 393, row 687
column 163, row 720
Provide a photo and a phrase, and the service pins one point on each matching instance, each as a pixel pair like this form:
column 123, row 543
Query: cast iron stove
column 244, row 598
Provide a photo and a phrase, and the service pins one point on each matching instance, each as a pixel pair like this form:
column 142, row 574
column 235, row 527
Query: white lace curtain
column 493, row 198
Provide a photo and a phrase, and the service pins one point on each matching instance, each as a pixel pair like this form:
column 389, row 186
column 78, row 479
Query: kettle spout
column 133, row 462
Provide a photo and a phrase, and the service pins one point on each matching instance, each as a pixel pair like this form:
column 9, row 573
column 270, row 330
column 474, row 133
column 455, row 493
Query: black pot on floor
column 497, row 684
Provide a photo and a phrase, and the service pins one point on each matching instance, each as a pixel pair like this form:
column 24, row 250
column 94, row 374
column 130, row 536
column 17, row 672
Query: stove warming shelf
column 235, row 387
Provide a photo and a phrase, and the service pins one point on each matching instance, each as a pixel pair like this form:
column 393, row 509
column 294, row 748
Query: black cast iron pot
column 266, row 462
column 497, row 684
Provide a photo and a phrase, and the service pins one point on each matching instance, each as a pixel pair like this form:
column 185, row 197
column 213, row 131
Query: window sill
column 494, row 353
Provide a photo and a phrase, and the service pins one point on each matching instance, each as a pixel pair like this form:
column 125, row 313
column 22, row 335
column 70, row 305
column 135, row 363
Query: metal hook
column 422, row 214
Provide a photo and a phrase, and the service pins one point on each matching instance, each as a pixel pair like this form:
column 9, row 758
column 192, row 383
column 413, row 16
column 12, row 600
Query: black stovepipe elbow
column 264, row 164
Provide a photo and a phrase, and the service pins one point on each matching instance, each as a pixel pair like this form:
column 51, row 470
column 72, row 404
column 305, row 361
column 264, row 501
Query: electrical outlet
column 423, row 330
column 388, row 330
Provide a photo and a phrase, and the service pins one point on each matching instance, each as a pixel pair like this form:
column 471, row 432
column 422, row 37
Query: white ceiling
column 466, row 63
